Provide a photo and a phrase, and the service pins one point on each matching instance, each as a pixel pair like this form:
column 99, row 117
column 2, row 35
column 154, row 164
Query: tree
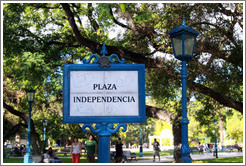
column 234, row 127
column 40, row 37
column 220, row 41
column 146, row 26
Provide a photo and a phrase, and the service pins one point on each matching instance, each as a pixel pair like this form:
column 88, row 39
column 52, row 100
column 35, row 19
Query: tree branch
column 15, row 112
column 158, row 113
column 139, row 58
column 221, row 98
column 228, row 34
column 24, row 116
column 92, row 20
column 119, row 23
column 63, row 44
column 13, row 130
column 96, row 47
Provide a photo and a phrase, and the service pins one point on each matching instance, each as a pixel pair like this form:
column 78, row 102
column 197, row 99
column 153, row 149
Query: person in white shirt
column 76, row 150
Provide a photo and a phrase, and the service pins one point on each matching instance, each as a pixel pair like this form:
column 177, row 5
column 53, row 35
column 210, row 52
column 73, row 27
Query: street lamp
column 183, row 41
column 215, row 145
column 30, row 99
column 44, row 124
column 141, row 143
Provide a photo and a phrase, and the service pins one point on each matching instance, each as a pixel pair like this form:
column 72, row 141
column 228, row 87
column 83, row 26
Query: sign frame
column 104, row 119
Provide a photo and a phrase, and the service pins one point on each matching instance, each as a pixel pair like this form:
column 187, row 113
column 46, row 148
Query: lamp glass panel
column 177, row 42
column 189, row 44
column 30, row 96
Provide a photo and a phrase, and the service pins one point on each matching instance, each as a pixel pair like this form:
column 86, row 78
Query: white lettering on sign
column 104, row 93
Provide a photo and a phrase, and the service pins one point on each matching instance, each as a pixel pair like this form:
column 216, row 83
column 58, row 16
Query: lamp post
column 141, row 143
column 215, row 145
column 30, row 99
column 44, row 124
column 183, row 41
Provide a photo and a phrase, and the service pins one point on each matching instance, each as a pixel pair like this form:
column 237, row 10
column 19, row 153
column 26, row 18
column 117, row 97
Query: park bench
column 240, row 149
column 128, row 155
column 232, row 148
column 194, row 149
column 64, row 151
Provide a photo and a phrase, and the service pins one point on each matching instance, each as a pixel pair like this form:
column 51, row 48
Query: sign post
column 103, row 92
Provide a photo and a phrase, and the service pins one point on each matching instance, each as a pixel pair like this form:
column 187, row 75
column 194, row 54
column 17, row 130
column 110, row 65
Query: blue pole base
column 28, row 158
column 141, row 151
column 186, row 159
column 185, row 152
column 104, row 149
column 104, row 132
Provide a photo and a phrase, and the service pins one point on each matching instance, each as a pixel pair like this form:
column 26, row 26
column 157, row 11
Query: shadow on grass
column 21, row 160
column 221, row 160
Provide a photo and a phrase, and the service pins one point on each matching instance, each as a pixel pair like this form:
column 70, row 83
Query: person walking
column 119, row 151
column 156, row 149
column 75, row 150
column 91, row 149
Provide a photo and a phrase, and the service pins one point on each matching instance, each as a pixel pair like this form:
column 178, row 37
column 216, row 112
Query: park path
column 164, row 159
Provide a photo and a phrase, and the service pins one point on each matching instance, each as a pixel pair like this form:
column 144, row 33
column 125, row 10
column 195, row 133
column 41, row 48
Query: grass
column 150, row 153
column 221, row 160
column 13, row 160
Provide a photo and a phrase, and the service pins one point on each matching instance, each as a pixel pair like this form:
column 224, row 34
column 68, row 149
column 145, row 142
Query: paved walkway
column 164, row 159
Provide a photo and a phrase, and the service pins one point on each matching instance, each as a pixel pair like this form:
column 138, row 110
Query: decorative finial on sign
column 183, row 19
column 104, row 51
column 103, row 60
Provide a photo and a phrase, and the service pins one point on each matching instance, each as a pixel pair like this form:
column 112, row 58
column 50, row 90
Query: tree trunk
column 221, row 130
column 36, row 143
column 177, row 139
column 36, row 150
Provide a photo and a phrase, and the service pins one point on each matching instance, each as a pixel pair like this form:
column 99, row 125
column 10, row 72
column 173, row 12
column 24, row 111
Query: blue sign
column 94, row 94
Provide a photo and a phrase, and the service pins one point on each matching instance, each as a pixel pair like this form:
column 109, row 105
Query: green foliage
column 166, row 142
column 234, row 126
column 38, row 40
column 159, row 126
column 160, row 88
column 203, row 121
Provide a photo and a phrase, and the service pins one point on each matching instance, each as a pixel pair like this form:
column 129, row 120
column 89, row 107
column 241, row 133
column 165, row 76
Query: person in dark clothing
column 156, row 149
column 17, row 151
column 119, row 151
column 53, row 158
